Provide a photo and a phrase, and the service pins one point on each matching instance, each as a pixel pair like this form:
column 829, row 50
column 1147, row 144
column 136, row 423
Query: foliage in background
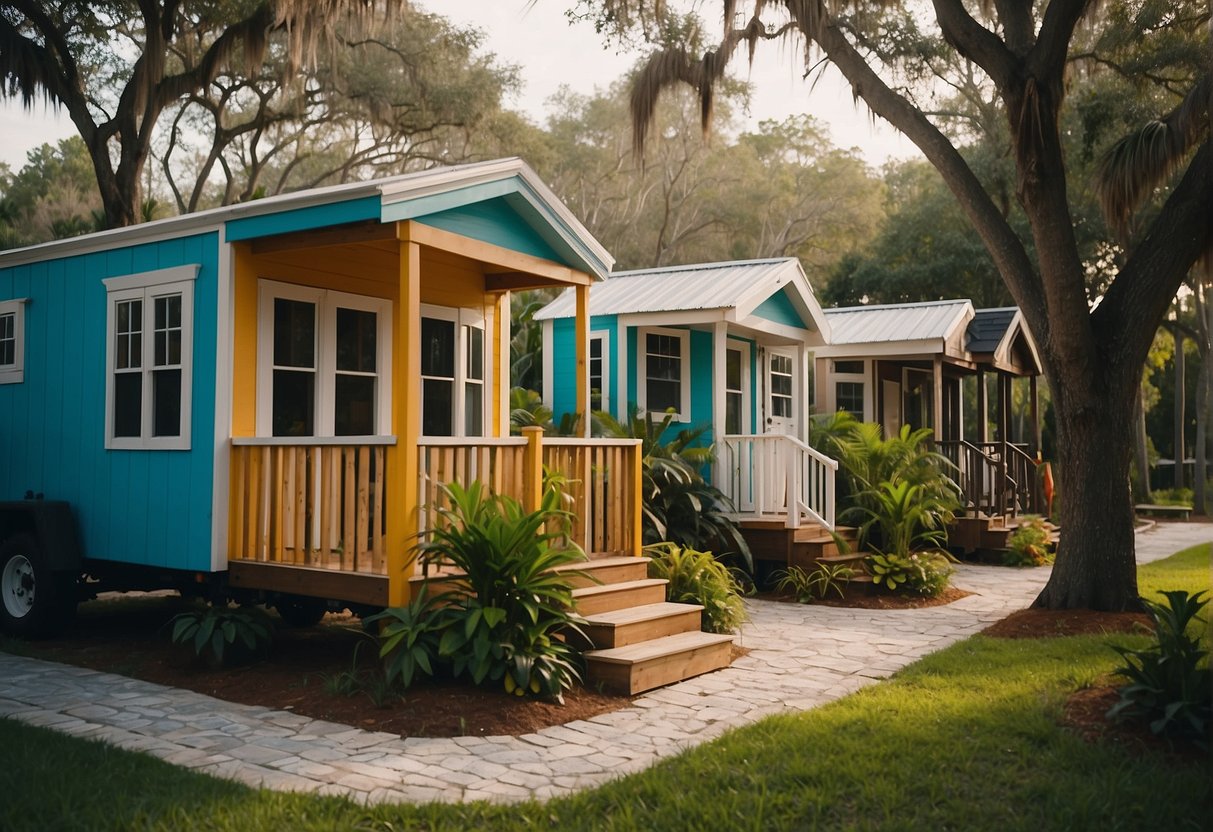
column 697, row 577
column 505, row 618
column 1169, row 682
column 222, row 634
column 680, row 506
column 813, row 585
column 1029, row 544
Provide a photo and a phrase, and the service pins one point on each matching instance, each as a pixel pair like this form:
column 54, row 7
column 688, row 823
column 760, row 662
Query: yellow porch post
column 583, row 357
column 402, row 471
column 532, row 468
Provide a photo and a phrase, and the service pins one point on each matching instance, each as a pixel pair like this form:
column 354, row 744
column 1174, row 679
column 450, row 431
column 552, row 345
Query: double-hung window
column 12, row 341
column 664, row 360
column 850, row 392
column 324, row 361
column 149, row 352
column 454, row 389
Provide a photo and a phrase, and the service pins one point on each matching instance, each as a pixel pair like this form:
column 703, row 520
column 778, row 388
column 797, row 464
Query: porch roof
column 1000, row 337
column 739, row 286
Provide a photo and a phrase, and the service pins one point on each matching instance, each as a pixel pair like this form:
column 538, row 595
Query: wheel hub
column 17, row 586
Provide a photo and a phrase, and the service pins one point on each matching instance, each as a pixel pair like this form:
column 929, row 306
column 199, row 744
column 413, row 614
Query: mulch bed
column 867, row 597
column 1039, row 623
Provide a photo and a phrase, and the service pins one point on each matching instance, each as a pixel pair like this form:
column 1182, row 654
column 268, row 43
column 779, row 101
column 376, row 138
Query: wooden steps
column 663, row 661
column 632, row 625
column 859, row 574
column 638, row 640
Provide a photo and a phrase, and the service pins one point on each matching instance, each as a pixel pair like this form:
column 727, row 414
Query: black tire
column 301, row 610
column 35, row 601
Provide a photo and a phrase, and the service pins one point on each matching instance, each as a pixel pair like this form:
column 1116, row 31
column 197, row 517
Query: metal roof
column 988, row 328
column 895, row 322
column 390, row 190
column 677, row 288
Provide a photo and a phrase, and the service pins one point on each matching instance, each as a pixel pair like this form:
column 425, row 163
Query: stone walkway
column 800, row 657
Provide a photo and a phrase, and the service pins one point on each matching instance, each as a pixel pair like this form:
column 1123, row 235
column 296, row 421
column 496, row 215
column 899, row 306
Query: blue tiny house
column 727, row 345
column 266, row 398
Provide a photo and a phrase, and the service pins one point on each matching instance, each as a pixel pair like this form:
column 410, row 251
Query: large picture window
column 324, row 362
column 664, row 359
column 149, row 350
column 12, row 341
column 453, row 372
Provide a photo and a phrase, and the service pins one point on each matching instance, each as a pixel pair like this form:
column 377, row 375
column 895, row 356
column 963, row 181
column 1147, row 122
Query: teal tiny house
column 726, row 345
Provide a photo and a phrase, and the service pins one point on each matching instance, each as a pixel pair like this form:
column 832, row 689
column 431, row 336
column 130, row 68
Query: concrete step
column 589, row 600
column 632, row 625
column 651, row 664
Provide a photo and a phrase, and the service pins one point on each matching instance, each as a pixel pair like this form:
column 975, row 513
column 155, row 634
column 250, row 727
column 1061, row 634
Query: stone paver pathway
column 800, row 657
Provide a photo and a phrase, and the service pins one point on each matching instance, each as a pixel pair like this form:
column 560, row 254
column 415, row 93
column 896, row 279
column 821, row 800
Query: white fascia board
column 908, row 350
column 685, row 318
column 792, row 334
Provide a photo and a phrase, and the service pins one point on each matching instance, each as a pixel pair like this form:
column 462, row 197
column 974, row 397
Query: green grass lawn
column 963, row 739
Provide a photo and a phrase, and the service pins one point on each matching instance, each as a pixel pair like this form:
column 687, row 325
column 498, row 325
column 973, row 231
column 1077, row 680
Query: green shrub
column 697, row 577
column 808, row 586
column 1169, row 681
column 679, row 505
column 222, row 634
column 1029, row 544
column 506, row 618
column 918, row 573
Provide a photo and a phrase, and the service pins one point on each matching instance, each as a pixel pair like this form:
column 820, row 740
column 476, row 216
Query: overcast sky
column 552, row 52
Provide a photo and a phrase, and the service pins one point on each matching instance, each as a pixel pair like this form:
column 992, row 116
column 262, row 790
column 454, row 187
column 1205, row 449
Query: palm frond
column 1143, row 160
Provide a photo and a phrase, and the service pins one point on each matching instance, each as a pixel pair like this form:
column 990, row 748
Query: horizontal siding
column 145, row 507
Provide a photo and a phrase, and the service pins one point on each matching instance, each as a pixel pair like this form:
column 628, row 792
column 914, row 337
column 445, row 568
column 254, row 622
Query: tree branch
column 974, row 41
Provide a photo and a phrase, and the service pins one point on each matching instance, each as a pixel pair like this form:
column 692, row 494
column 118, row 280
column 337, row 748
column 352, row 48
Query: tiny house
column 907, row 364
column 723, row 345
column 265, row 398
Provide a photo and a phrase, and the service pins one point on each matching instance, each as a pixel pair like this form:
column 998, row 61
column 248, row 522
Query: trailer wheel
column 301, row 610
column 34, row 600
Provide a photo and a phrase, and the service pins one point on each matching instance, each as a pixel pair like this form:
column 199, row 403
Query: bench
column 1182, row 512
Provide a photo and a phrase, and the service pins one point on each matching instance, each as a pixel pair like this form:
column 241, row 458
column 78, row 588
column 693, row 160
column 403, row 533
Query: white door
column 781, row 390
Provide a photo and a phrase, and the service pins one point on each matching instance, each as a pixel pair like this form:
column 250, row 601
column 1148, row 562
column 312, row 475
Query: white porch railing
column 773, row 475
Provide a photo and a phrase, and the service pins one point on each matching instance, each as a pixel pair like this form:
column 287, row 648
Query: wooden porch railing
column 776, row 475
column 601, row 481
column 996, row 478
column 309, row 502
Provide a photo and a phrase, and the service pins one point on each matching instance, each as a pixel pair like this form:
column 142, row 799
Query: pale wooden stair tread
column 851, row 558
column 602, row 589
column 657, row 648
column 646, row 612
column 601, row 563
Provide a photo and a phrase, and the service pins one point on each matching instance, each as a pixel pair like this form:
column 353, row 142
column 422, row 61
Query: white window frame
column 464, row 317
column 860, row 378
column 604, row 392
column 146, row 287
column 747, row 407
column 642, row 375
column 14, row 373
column 326, row 302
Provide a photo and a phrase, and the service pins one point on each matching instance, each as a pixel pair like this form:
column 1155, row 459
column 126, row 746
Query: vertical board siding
column 143, row 507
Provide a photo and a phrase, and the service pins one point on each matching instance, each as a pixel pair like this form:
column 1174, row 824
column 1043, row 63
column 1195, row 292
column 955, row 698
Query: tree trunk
column 1096, row 565
column 1198, row 449
column 1141, row 449
column 1180, row 400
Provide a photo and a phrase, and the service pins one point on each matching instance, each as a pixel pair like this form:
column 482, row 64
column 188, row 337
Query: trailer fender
column 54, row 524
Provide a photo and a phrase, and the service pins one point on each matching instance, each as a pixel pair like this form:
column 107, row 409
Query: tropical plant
column 409, row 637
column 1028, row 545
column 1169, row 682
column 808, row 586
column 697, row 577
column 920, row 573
column 510, row 610
column 220, row 633
column 679, row 505
column 904, row 517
